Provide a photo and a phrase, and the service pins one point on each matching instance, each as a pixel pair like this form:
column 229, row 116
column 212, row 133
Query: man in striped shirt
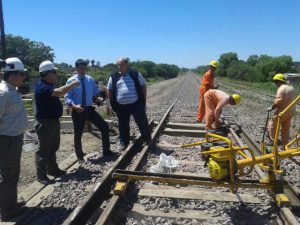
column 127, row 93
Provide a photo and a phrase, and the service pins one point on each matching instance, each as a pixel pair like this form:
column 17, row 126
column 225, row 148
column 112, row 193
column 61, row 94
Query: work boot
column 149, row 143
column 57, row 173
column 81, row 157
column 45, row 180
column 13, row 214
column 109, row 153
column 21, row 203
column 121, row 147
column 212, row 131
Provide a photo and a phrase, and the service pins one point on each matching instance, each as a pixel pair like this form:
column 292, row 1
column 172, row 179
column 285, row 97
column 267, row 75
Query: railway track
column 191, row 132
column 146, row 203
column 292, row 193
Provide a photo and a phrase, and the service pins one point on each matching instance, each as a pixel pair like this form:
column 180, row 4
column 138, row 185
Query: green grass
column 153, row 80
column 28, row 105
column 266, row 87
column 104, row 115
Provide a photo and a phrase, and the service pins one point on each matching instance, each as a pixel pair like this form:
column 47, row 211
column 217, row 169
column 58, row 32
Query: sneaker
column 45, row 180
column 13, row 214
column 57, row 173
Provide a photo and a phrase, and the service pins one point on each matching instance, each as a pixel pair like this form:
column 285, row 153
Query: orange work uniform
column 206, row 84
column 284, row 96
column 215, row 101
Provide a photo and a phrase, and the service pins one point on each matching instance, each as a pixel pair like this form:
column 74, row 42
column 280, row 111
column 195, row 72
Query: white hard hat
column 47, row 66
column 13, row 64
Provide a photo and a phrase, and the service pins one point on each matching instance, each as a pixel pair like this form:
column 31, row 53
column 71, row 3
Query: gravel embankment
column 224, row 213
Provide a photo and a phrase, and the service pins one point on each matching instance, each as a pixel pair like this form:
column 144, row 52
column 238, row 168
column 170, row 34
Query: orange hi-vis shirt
column 207, row 82
column 284, row 96
column 215, row 101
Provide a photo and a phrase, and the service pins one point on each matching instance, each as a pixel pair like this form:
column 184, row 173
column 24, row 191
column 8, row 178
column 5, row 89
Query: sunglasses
column 82, row 67
column 22, row 74
column 52, row 71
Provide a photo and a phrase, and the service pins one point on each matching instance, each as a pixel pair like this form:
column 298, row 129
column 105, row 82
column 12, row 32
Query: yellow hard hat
column 236, row 98
column 279, row 76
column 213, row 63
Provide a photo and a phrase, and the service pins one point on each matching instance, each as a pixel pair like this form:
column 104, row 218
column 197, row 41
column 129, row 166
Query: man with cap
column 48, row 111
column 127, row 93
column 13, row 123
column 215, row 101
column 284, row 96
column 80, row 100
column 206, row 84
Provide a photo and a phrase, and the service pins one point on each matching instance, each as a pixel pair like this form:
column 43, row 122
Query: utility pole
column 3, row 45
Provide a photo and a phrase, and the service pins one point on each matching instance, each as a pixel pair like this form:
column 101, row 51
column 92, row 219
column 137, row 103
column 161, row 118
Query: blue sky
column 183, row 32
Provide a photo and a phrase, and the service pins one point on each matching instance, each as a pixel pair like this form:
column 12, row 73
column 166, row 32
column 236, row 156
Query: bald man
column 127, row 92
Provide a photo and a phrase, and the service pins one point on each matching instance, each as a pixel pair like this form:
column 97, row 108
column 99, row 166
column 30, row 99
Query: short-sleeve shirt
column 47, row 106
column 284, row 96
column 126, row 91
column 13, row 120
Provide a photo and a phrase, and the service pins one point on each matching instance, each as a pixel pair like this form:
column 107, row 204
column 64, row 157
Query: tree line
column 258, row 68
column 32, row 53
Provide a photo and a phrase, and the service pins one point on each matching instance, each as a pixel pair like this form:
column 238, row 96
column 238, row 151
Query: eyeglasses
column 52, row 71
column 82, row 67
column 22, row 74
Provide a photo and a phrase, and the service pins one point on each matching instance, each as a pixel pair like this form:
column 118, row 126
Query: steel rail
column 105, row 216
column 102, row 190
column 285, row 213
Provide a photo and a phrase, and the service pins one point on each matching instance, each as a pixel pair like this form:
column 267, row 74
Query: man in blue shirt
column 48, row 111
column 127, row 93
column 80, row 99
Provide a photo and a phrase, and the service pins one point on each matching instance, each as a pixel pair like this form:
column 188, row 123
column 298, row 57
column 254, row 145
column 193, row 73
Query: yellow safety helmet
column 279, row 76
column 236, row 98
column 213, row 63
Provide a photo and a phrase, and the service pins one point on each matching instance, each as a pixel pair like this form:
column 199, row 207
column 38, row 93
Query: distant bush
column 256, row 68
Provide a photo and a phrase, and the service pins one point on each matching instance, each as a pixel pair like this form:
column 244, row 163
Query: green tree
column 240, row 70
column 31, row 53
column 225, row 61
column 93, row 63
column 253, row 60
column 269, row 66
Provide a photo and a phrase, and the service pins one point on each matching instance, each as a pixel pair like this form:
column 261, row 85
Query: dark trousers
column 139, row 114
column 48, row 132
column 79, row 120
column 10, row 156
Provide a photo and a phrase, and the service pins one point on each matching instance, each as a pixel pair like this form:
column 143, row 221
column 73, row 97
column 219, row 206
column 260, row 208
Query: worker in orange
column 215, row 101
column 206, row 84
column 284, row 96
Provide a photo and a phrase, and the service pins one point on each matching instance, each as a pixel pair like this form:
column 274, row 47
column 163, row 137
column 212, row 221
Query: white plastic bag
column 166, row 164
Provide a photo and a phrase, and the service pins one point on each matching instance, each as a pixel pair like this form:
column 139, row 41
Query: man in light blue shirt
column 80, row 100
column 13, row 123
